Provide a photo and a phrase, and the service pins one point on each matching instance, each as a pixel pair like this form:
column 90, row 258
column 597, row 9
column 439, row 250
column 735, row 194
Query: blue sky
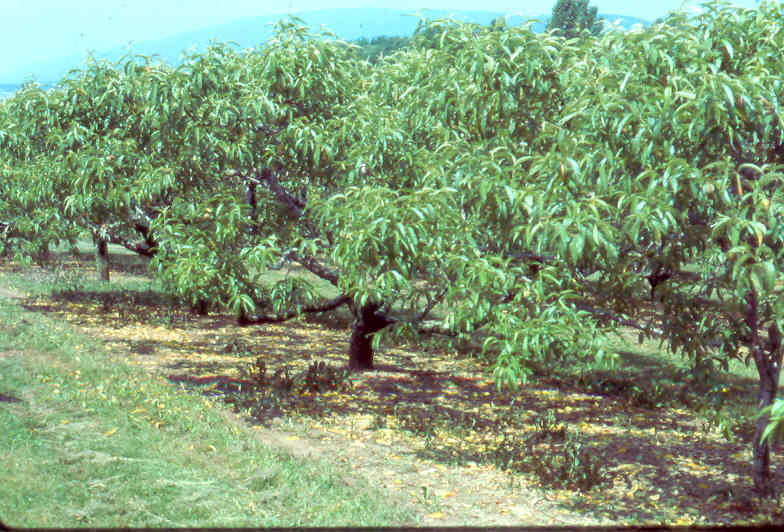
column 36, row 30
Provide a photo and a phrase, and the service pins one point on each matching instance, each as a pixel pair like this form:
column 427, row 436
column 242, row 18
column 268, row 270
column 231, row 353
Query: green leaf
column 576, row 248
column 728, row 47
column 728, row 93
column 625, row 80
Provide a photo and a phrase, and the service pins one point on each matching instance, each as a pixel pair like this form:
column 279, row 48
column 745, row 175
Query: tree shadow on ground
column 659, row 460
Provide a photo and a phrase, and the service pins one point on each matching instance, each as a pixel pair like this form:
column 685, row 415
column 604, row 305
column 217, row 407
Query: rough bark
column 102, row 259
column 767, row 357
column 760, row 468
column 201, row 307
column 369, row 320
column 244, row 320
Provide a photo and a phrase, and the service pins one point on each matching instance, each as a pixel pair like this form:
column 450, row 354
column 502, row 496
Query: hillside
column 7, row 90
column 348, row 24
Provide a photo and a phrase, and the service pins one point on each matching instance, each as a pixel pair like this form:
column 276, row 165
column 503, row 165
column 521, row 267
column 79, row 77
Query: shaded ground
column 432, row 424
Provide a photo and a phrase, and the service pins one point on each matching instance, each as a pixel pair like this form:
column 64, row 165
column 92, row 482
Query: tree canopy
column 571, row 17
column 528, row 191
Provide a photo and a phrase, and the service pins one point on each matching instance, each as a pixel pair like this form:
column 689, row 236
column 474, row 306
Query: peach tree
column 630, row 180
column 535, row 193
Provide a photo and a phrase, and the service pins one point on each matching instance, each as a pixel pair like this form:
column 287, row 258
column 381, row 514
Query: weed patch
column 268, row 395
column 642, row 433
column 556, row 457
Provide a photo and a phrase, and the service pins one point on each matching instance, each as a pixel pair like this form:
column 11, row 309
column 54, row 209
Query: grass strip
column 90, row 441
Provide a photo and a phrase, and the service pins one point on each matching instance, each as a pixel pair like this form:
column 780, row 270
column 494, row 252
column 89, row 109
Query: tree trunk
column 102, row 259
column 43, row 253
column 767, row 357
column 201, row 307
column 368, row 322
column 250, row 195
column 760, row 468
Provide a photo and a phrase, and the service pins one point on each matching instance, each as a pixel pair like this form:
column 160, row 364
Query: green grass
column 93, row 442
column 109, row 447
column 89, row 441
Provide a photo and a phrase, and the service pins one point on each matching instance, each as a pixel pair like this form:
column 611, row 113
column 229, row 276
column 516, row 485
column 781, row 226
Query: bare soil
column 663, row 465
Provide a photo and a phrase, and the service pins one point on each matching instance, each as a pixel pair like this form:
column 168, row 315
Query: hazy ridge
column 7, row 90
column 347, row 24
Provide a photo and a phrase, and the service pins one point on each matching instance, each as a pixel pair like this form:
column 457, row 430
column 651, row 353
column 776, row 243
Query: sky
column 37, row 30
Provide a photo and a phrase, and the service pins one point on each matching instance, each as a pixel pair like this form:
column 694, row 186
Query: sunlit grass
column 648, row 378
column 88, row 441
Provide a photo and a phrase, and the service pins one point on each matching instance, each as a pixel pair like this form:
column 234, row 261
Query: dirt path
column 440, row 494
column 10, row 294
column 409, row 428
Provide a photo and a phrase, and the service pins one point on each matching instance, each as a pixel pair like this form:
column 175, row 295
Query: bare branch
column 266, row 176
column 316, row 268
column 141, row 216
column 617, row 318
column 142, row 248
column 435, row 301
column 294, row 204
column 332, row 304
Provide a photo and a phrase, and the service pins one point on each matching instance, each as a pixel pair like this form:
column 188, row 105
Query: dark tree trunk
column 368, row 322
column 201, row 307
column 102, row 259
column 250, row 195
column 760, row 468
column 43, row 253
column 767, row 357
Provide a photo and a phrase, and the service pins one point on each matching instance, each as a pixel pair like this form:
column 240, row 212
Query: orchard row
column 535, row 192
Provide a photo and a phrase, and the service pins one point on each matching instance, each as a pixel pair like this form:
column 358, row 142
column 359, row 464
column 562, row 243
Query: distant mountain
column 625, row 22
column 7, row 90
column 347, row 24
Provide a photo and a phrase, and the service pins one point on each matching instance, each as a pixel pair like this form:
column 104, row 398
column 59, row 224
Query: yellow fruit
column 765, row 203
column 708, row 188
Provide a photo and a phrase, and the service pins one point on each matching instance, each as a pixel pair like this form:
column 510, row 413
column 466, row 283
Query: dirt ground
column 663, row 466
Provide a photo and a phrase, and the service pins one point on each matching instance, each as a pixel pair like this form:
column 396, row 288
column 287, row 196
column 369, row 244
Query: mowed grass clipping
column 88, row 441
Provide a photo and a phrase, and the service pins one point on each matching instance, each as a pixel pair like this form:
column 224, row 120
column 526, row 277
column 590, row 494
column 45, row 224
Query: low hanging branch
column 313, row 266
column 267, row 177
column 145, row 248
column 296, row 208
column 326, row 306
column 294, row 204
